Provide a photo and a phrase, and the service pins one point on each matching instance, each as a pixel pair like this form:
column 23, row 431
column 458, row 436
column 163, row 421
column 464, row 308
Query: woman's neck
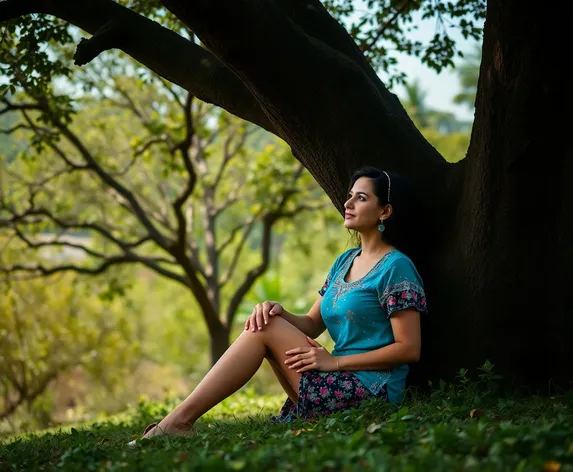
column 372, row 245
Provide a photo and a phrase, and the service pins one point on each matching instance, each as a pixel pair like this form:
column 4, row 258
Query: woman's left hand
column 313, row 357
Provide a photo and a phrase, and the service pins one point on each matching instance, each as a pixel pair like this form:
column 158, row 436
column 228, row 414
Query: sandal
column 150, row 427
column 147, row 430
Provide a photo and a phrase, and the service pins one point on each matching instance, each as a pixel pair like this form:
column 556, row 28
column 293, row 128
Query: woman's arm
column 310, row 324
column 404, row 350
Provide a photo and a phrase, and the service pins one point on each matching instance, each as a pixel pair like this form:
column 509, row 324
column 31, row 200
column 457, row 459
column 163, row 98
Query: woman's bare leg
column 237, row 366
column 285, row 384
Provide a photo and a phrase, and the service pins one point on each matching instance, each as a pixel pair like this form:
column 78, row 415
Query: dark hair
column 396, row 232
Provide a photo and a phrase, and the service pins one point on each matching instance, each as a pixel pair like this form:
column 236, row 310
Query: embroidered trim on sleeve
column 322, row 291
column 402, row 296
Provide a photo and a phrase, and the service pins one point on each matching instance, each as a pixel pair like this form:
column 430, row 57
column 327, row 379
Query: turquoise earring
column 381, row 226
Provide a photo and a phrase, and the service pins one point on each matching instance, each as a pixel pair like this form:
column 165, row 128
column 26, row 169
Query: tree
column 424, row 117
column 184, row 202
column 496, row 233
column 50, row 327
column 469, row 75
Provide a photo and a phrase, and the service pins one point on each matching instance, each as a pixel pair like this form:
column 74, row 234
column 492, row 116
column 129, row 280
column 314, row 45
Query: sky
column 440, row 88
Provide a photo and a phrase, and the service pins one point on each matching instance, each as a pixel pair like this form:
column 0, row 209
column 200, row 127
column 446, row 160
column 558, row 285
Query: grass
column 463, row 427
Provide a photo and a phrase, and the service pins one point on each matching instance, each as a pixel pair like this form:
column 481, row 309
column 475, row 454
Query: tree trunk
column 500, row 282
column 219, row 342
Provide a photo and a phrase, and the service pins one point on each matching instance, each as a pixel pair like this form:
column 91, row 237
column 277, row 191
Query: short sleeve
column 322, row 291
column 334, row 269
column 401, row 288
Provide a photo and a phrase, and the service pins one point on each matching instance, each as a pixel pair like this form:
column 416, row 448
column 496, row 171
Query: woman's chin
column 348, row 224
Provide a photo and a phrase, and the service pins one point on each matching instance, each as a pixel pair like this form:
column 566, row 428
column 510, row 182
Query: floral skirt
column 324, row 393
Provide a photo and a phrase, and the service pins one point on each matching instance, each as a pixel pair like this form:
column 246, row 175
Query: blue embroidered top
column 357, row 313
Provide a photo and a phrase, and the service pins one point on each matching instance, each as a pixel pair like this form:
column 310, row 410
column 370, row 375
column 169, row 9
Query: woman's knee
column 276, row 324
column 272, row 328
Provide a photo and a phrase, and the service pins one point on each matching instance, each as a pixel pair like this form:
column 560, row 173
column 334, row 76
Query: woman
column 370, row 304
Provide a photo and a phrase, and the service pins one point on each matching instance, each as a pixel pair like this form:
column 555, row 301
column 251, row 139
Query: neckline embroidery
column 340, row 287
column 344, row 272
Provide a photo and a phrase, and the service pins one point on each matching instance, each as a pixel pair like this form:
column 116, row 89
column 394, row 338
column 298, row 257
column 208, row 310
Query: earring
column 381, row 226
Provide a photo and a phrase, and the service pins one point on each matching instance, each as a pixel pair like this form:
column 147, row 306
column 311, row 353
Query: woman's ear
column 387, row 213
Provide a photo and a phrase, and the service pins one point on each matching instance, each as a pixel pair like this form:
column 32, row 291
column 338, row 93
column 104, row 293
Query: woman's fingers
column 276, row 309
column 266, row 309
column 300, row 357
column 297, row 350
column 301, row 363
column 249, row 322
column 259, row 317
column 307, row 367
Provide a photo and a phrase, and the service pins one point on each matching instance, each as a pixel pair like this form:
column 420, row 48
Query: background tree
column 50, row 327
column 468, row 73
column 285, row 66
column 426, row 118
column 155, row 178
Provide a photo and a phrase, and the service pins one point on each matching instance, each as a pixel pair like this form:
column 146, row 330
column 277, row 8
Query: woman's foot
column 163, row 429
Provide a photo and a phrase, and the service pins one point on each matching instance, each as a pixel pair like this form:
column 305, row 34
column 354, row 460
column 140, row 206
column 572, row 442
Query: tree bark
column 503, row 277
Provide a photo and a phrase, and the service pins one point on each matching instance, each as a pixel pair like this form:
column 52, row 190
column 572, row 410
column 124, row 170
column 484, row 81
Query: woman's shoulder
column 400, row 263
column 397, row 257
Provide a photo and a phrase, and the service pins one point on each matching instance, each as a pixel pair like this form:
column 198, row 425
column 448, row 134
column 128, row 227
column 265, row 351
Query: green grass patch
column 466, row 427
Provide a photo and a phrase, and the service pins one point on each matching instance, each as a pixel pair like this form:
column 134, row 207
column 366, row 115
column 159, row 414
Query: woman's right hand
column 261, row 315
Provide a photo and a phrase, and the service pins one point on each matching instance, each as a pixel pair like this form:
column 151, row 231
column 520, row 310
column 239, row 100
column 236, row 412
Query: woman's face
column 362, row 212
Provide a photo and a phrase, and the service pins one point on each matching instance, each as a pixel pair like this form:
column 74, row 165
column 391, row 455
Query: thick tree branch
column 296, row 86
column 161, row 50
column 316, row 21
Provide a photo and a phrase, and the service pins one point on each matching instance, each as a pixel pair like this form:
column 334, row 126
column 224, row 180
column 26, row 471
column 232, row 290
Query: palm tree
column 415, row 103
column 424, row 117
column 468, row 74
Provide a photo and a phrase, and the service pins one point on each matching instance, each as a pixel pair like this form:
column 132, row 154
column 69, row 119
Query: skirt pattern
column 324, row 393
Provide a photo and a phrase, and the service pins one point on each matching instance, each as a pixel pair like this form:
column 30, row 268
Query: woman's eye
column 361, row 198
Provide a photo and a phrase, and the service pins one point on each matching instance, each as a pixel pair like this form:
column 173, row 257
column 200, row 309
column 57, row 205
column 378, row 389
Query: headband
column 389, row 184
